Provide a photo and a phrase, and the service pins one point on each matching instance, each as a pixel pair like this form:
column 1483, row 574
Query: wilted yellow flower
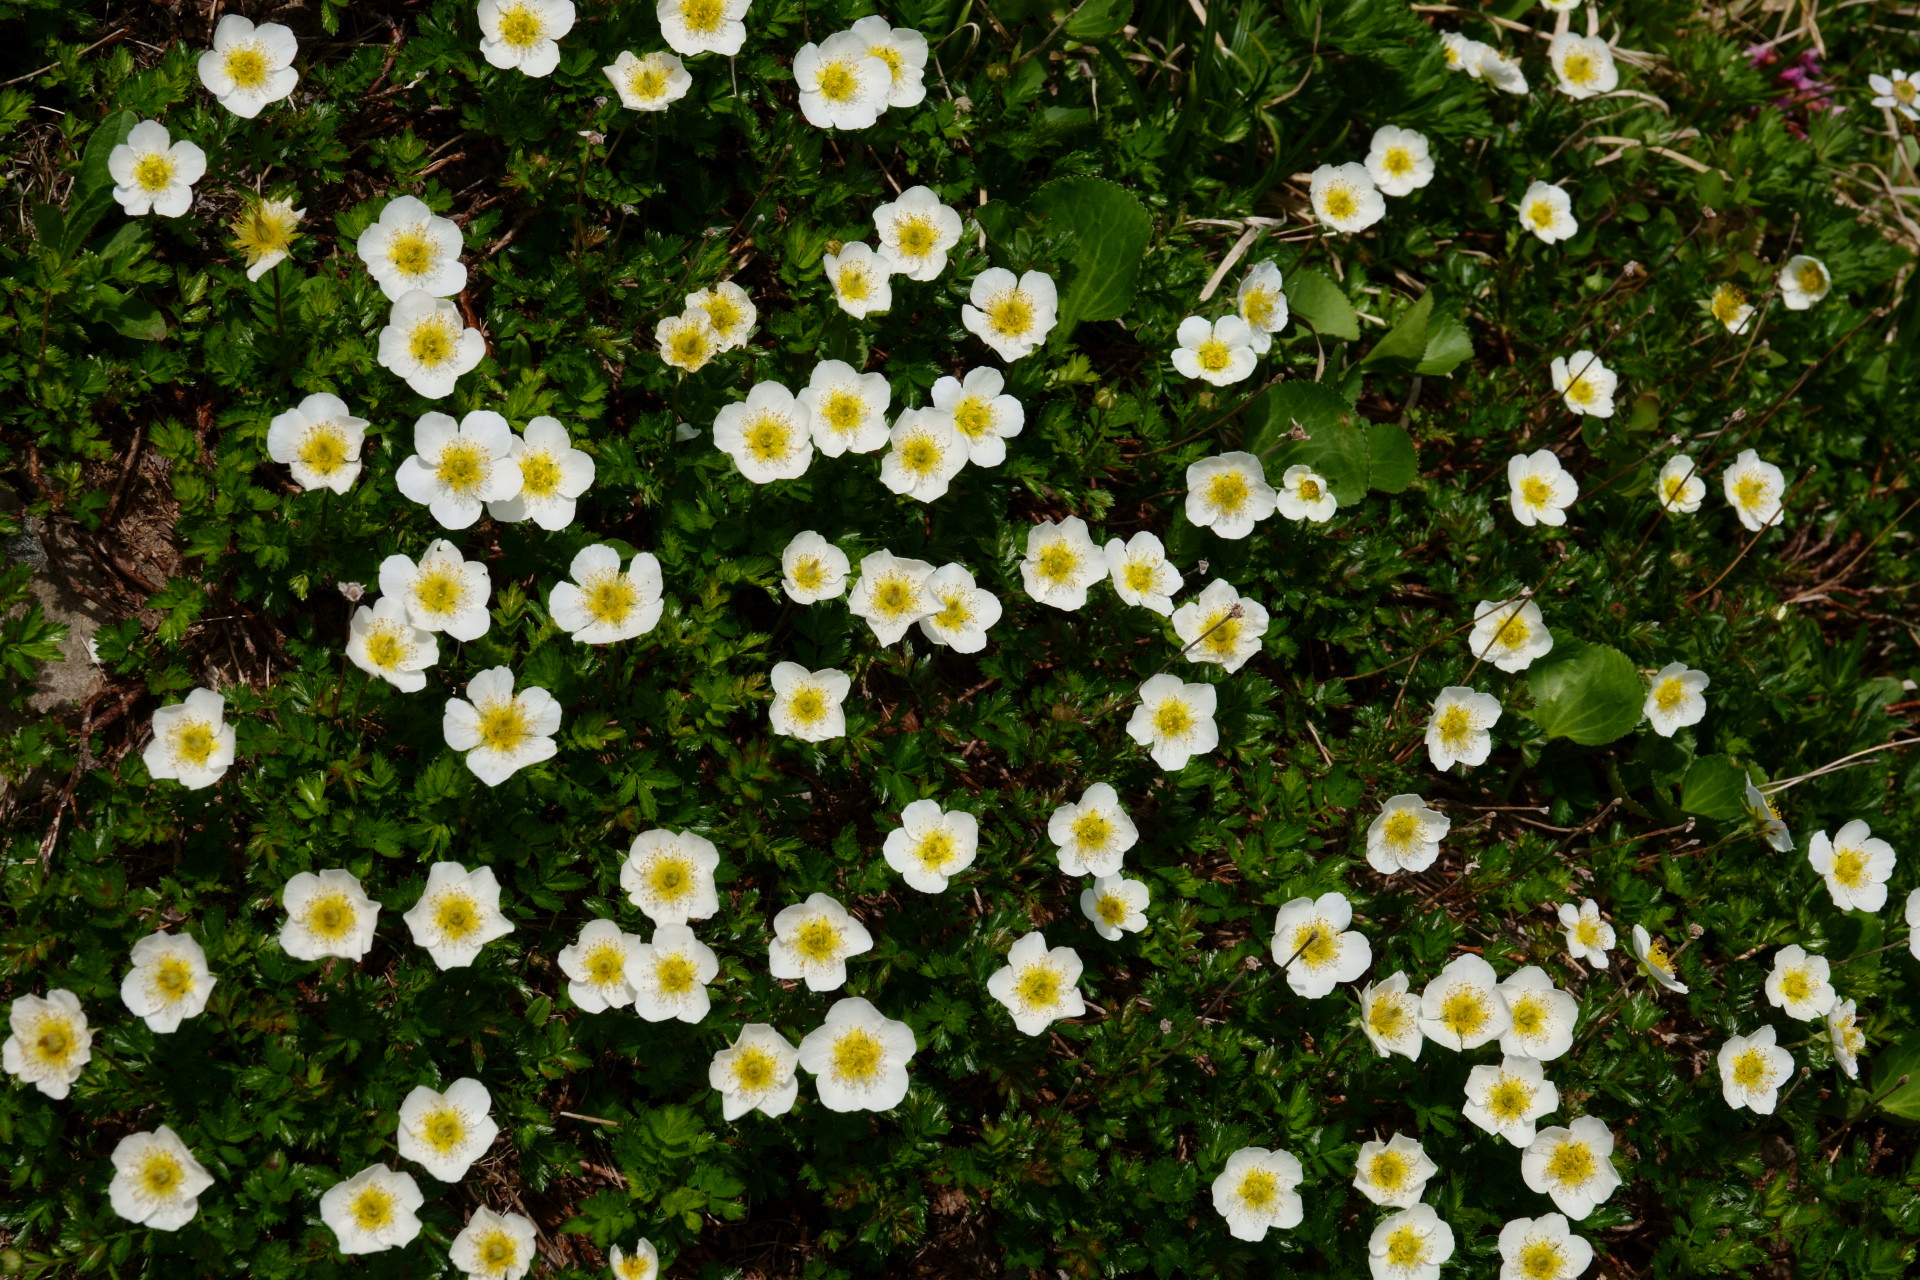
column 264, row 232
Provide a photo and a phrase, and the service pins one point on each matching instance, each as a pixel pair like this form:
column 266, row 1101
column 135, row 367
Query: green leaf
column 1110, row 230
column 139, row 319
column 1406, row 343
column 1353, row 456
column 1393, row 464
column 1715, row 787
column 1098, row 19
column 1589, row 693
column 1448, row 346
column 1320, row 302
column 1902, row 1100
column 93, row 185
column 1313, row 406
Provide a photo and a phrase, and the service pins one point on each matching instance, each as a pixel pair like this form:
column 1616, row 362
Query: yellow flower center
column 1011, row 314
column 702, row 17
column 1398, row 161
column 1455, row 726
column 194, row 742
column 1058, row 562
column 173, row 979
column 1587, row 932
column 1465, row 1012
column 853, row 283
column 1796, row 985
column 936, row 849
column 844, row 410
column 439, row 590
column 431, row 342
column 1228, row 491
column 330, row 916
column 609, row 597
column 1540, row 213
column 1509, row 1099
column 915, row 234
column 817, row 940
column 1259, row 1189
column 247, row 66
column 606, row 964
column 372, row 1209
column 496, row 1251
column 456, row 916
column 323, row 449
column 919, row 455
column 1580, row 391
column 265, row 227
column 504, row 727
column 1112, row 909
column 1657, row 956
column 159, row 1174
column 1669, row 694
column 463, row 467
column 1850, row 867
column 1315, row 944
column 809, row 573
column 808, row 705
column 1222, row 633
column 443, row 1129
column 1307, row 488
column 1529, row 1015
column 896, row 596
column 1402, row 828
column 674, row 974
column 1037, row 986
column 753, row 1069
column 670, row 879
column 1905, row 91
column 1812, row 278
column 1340, row 202
column 649, row 82
column 411, row 251
column 1172, row 719
column 1751, row 491
column 1389, row 1018
column 889, row 55
column 1389, row 1170
column 633, row 1266
column 1092, row 830
column 1579, row 67
column 1213, row 355
column 1728, row 302
column 1852, row 1038
column 1751, row 1069
column 1542, row 1260
column 153, row 173
column 955, row 613
column 722, row 312
column 1139, row 577
column 838, row 81
column 857, row 1056
column 1257, row 307
column 520, row 25
column 769, row 437
column 53, row 1041
column 1536, row 492
column 690, row 346
column 1572, row 1164
column 973, row 417
column 539, row 474
column 1405, row 1247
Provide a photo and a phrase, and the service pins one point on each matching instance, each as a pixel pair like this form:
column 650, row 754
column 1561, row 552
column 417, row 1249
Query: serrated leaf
column 1312, row 406
column 93, row 185
column 1318, row 301
column 1405, row 345
column 1110, row 230
column 1448, row 346
column 139, row 319
column 1588, row 693
column 1354, row 459
column 1714, row 787
column 1901, row 1100
column 1098, row 19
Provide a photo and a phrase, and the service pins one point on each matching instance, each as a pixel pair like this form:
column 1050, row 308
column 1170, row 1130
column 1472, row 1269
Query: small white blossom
column 1409, row 1245
column 1229, row 494
column 524, row 34
column 443, row 593
column 1345, row 198
column 842, row 84
column 372, row 1211
column 1803, row 282
column 1093, row 835
column 457, row 915
column 1218, row 352
column 1542, row 1248
column 1304, row 494
column 915, row 232
column 604, row 604
column 1752, row 1069
column 169, row 981
column 1585, row 384
column 1037, row 985
column 1405, row 836
column 729, row 311
column 501, row 732
column 652, row 83
column 1258, row 1190
column 1589, row 937
column 192, row 742
column 1755, row 489
column 1730, row 307
column 1462, row 1007
column 600, row 966
column 1502, row 72
column 669, row 876
column 755, row 1072
column 1142, row 575
column 1654, row 960
column 703, row 26
column 1262, row 303
column 553, row 475
column 494, row 1246
column 688, row 341
column 859, row 277
column 1399, row 160
column 1509, row 634
column 982, row 416
column 445, row 1133
column 49, row 1042
column 1541, row 1014
column 152, row 173
column 1900, row 91
column 858, row 1057
column 319, row 441
column 1459, row 733
column 904, row 50
column 812, row 941
column 891, row 594
column 931, row 845
column 813, row 569
column 458, row 468
column 769, row 435
column 428, row 345
column 1508, row 1100
column 1062, row 563
column 1854, row 864
column 1541, row 489
column 248, row 66
column 1674, row 698
column 1800, row 984
column 156, row 1181
column 644, row 1262
column 1391, row 1018
column 1547, row 211
column 1115, row 905
column 926, row 455
column 328, row 914
column 1220, row 626
column 670, row 975
column 1680, row 487
column 1013, row 315
column 1312, row 943
column 1583, row 64
column 807, row 704
column 1574, row 1165
column 411, row 249
column 1761, row 808
column 961, row 612
column 1393, row 1173
column 1846, row 1037
column 848, row 409
column 1174, row 720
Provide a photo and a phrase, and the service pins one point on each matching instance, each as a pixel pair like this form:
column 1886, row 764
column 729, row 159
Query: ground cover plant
column 1144, row 638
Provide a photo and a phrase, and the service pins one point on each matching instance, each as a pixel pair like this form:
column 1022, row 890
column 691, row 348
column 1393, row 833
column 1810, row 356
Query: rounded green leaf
column 1589, row 693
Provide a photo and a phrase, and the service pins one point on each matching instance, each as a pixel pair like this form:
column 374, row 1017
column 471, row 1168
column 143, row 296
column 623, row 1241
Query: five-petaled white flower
column 1752, row 1069
column 1652, row 955
column 1218, row 352
column 604, row 603
column 49, row 1041
column 1345, row 198
column 644, row 1262
column 1459, row 733
column 1766, row 814
column 501, row 732
column 458, row 914
column 916, row 230
column 669, row 876
column 328, row 914
column 1854, row 864
column 1093, row 834
column 983, row 417
column 652, row 83
column 169, row 981
column 428, row 346
column 1391, row 1017
column 1220, row 626
column 688, row 341
column 264, row 231
column 1262, row 303
column 1680, row 486
column 812, row 569
column 1547, row 211
column 1542, row 1248
column 153, row 174
column 848, row 409
column 932, row 844
column 372, row 1211
column 1502, row 71
column 156, row 1181
column 1038, row 986
column 1589, row 937
column 670, row 975
column 1142, row 575
column 192, row 742
column 859, row 278
column 807, row 704
column 728, row 309
column 1803, row 281
column 1674, row 698
column 457, row 468
column 1258, row 1190
column 812, row 940
column 1583, row 64
column 1510, row 634
column 1174, row 720
column 600, row 966
column 1062, row 563
column 1730, row 307
column 553, row 475
column 960, row 611
column 842, row 84
column 1541, row 489
column 858, row 1057
column 769, row 435
column 1013, row 315
column 1508, row 1100
column 1585, row 384
column 1304, row 494
column 1462, row 54
column 755, row 1072
column 927, row 454
column 891, row 594
column 1229, row 494
column 444, row 1133
column 1312, row 943
column 1542, row 1016
column 1801, row 984
column 1409, row 1245
column 1900, row 91
column 1115, row 905
column 904, row 50
column 319, row 441
column 248, row 66
column 411, row 249
column 494, row 1246
column 444, row 592
column 1393, row 1173
column 704, row 26
column 1462, row 1007
column 1846, row 1037
column 1755, row 489
column 1574, row 1165
column 524, row 33
column 1399, row 160
column 1405, row 836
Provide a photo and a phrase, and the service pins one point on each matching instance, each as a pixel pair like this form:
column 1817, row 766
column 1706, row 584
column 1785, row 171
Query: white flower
column 1312, row 943
column 494, row 1246
column 169, row 981
column 458, row 467
column 926, row 455
column 1652, row 956
column 1680, row 487
column 444, row 592
column 1501, row 71
column 553, row 475
column 1458, row 732
column 1409, row 1245
column 1174, row 720
column 768, row 435
column 727, row 307
column 704, row 26
column 807, row 704
column 1345, row 198
column 412, row 249
column 1547, row 211
column 1263, row 305
column 524, row 34
column 248, row 66
column 502, row 732
column 848, row 409
column 1037, row 985
column 1586, row 384
column 1849, row 1042
column 983, row 418
column 1584, row 65
column 328, row 914
column 842, row 84
column 1142, row 574
column 961, row 612
column 1800, row 984
column 1011, row 315
column 1730, row 307
column 1755, row 489
column 1901, row 91
column 904, row 50
column 264, row 232
column 1093, row 835
column 1304, row 494
column 1510, row 635
column 603, row 604
column 1463, row 54
column 916, row 230
column 1406, row 836
column 192, row 742
column 1219, row 352
column 1542, row 1248
column 812, row 940
column 1462, row 1006
column 858, row 1057
column 1229, row 494
column 156, row 1181
column 1258, row 1190
column 1803, row 282
column 1391, row 1018
column 1393, row 1173
column 1855, row 866
column 652, row 83
column 1673, row 699
column 1062, row 563
column 932, row 844
column 50, row 1042
column 1752, row 1069
column 151, row 174
column 428, row 345
column 891, row 594
column 813, row 569
column 1542, row 1016
column 1541, row 489
column 319, row 441
column 688, row 341
column 859, row 279
column 1509, row 1099
column 1399, row 161
column 1589, row 937
column 669, row 876
column 1116, row 905
column 444, row 1133
column 1574, row 1165
column 755, row 1072
column 458, row 914
column 372, row 1211
column 600, row 966
column 670, row 975
column 644, row 1262
column 1220, row 626
column 1763, row 811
